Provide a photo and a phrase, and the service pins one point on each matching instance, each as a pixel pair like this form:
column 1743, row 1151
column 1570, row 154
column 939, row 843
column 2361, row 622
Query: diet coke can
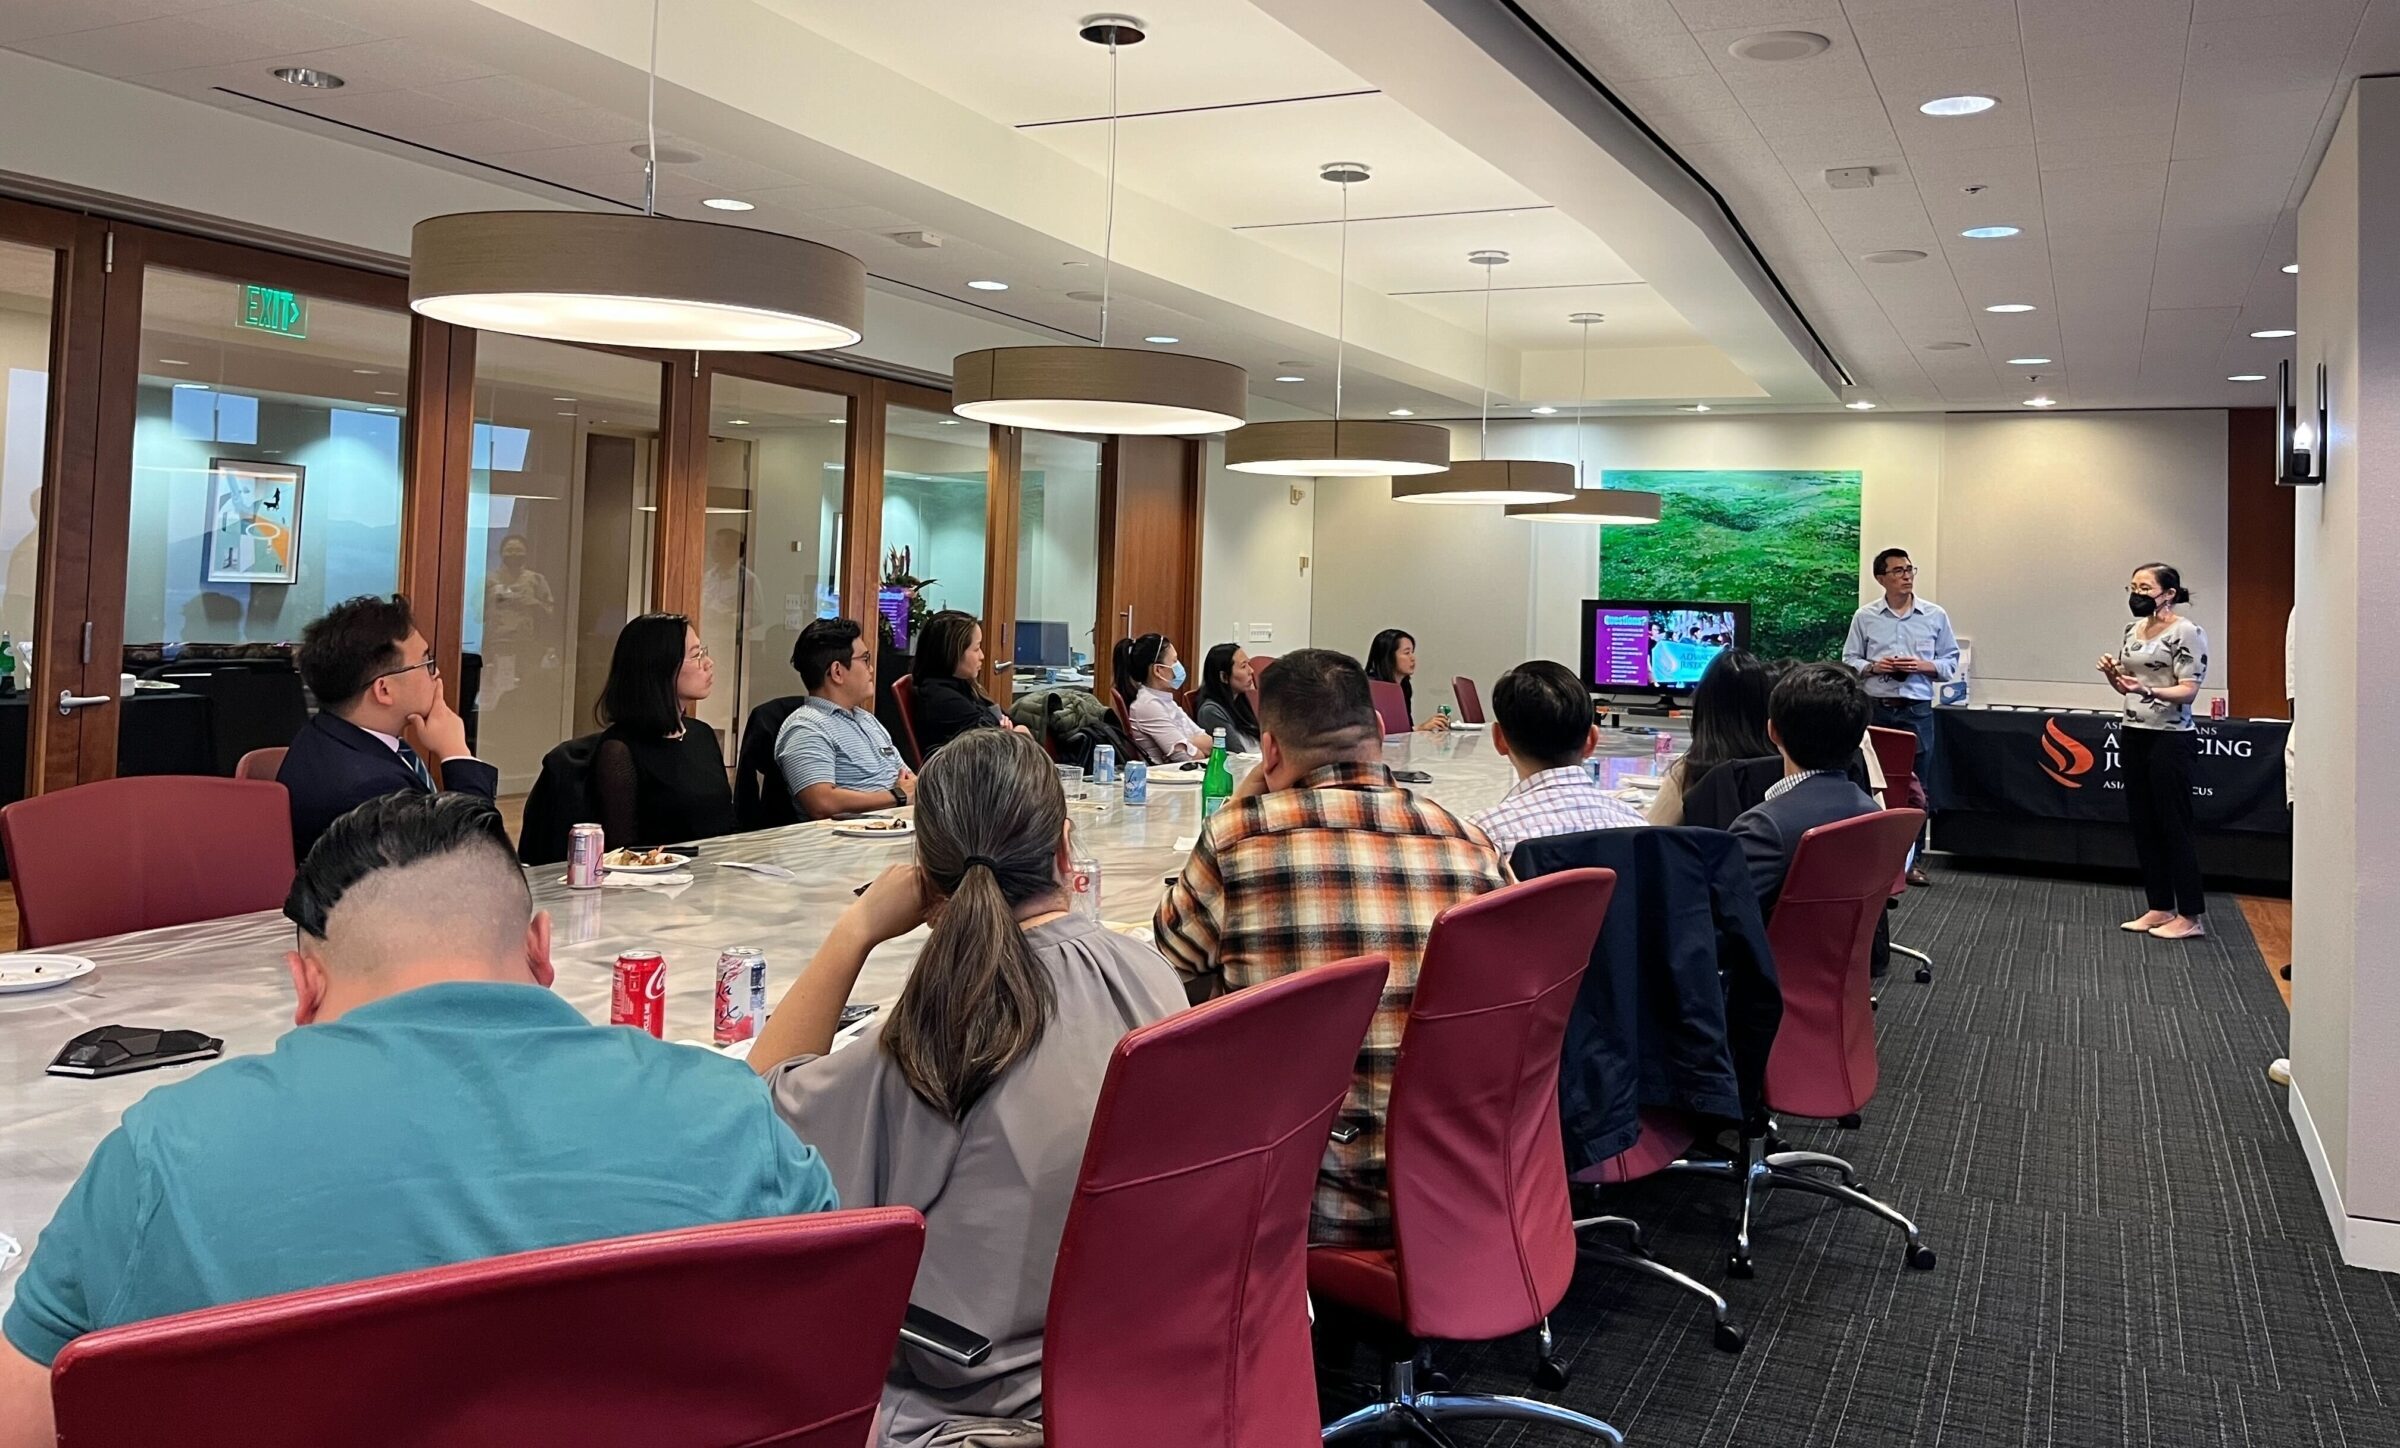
column 1104, row 764
column 741, row 993
column 585, row 846
column 638, row 997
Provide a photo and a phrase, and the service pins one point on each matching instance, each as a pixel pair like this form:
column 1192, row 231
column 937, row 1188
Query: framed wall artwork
column 253, row 521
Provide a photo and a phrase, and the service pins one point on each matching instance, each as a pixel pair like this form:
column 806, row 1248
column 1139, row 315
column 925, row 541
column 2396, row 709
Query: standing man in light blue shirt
column 1901, row 646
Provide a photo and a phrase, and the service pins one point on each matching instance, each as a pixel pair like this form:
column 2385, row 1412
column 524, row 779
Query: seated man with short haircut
column 836, row 756
column 437, row 1104
column 1817, row 717
column 1542, row 724
column 1319, row 856
column 375, row 680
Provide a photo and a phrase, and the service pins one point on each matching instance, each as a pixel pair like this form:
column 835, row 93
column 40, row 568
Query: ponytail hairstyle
column 1132, row 662
column 989, row 819
column 2170, row 581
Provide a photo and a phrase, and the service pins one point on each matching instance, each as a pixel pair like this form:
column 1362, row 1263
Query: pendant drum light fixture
column 1488, row 479
column 1592, row 503
column 1334, row 447
column 636, row 281
column 1103, row 389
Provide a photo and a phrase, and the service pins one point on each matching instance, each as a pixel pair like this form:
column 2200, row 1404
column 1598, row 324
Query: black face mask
column 2142, row 604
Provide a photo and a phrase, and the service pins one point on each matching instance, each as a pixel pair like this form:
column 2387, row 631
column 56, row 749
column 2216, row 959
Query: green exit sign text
column 269, row 310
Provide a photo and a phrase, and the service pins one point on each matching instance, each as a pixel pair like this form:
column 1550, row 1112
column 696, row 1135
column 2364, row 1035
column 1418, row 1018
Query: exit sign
column 269, row 310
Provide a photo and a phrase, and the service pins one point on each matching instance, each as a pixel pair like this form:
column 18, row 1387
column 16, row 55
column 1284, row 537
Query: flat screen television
column 1657, row 645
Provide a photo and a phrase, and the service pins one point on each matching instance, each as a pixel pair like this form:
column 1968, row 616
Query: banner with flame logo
column 2068, row 759
column 2063, row 765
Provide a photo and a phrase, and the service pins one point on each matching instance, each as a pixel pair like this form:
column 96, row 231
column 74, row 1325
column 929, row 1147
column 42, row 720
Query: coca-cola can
column 741, row 993
column 638, row 997
column 585, row 846
column 2218, row 707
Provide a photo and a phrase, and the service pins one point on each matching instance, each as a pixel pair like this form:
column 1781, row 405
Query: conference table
column 226, row 977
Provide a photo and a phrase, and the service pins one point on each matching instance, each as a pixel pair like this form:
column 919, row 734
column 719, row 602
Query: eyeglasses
column 1902, row 568
column 432, row 668
column 698, row 655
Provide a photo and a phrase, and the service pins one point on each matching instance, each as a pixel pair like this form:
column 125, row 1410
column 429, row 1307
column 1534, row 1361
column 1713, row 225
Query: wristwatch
column 2148, row 697
column 897, row 796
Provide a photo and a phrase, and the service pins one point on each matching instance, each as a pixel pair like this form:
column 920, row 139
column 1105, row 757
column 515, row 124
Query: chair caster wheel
column 1920, row 1257
column 1440, row 1382
column 1874, row 1003
column 1729, row 1338
column 1924, row 975
column 1550, row 1373
column 1851, row 1122
column 1740, row 1266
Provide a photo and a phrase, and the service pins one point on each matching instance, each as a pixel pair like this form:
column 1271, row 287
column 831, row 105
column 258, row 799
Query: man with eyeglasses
column 378, row 688
column 1901, row 646
column 836, row 756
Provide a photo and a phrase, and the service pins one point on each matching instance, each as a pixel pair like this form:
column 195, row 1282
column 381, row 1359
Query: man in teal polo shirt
column 439, row 1104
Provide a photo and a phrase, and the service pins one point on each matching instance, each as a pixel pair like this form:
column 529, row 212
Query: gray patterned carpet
column 2131, row 1251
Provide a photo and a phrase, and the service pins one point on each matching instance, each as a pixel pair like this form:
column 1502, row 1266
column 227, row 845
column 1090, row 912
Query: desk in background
column 2044, row 787
column 159, row 731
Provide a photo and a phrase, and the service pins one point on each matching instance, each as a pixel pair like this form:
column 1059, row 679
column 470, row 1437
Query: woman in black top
column 1225, row 682
column 1392, row 658
column 949, row 661
column 660, row 776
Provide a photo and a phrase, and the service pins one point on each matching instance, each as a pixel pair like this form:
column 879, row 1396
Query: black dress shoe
column 1918, row 879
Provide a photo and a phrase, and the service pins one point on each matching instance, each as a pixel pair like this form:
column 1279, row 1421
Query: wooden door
column 1150, row 544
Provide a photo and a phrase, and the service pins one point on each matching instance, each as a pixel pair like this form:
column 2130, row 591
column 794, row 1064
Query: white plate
column 1461, row 727
column 668, row 865
column 21, row 973
column 1175, row 775
column 898, row 829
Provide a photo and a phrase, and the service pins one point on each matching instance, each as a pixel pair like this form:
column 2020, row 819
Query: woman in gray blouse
column 970, row 1100
column 2159, row 668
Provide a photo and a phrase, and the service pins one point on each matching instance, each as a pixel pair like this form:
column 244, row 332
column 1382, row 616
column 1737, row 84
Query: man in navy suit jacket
column 1817, row 717
column 376, row 681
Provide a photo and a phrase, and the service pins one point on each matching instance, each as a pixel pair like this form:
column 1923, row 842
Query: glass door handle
column 69, row 701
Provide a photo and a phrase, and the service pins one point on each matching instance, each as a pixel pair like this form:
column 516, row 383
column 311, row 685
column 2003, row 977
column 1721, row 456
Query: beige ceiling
column 849, row 122
column 2154, row 153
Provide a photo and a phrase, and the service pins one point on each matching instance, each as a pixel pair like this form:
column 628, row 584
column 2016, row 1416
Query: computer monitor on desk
column 1043, row 644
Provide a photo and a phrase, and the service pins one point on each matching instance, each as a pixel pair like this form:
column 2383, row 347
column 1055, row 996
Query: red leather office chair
column 1391, row 706
column 1178, row 1307
column 1258, row 672
column 904, row 698
column 641, row 1342
column 1823, row 1064
column 134, row 854
column 260, row 763
column 1896, row 752
column 1470, row 702
column 1483, row 1243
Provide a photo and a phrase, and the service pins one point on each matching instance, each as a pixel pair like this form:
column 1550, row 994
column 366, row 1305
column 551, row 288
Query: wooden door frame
column 1183, row 623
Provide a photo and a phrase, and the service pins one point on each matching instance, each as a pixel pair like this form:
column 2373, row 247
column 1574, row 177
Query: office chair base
column 1727, row 1337
column 1404, row 1410
column 1760, row 1169
column 1924, row 963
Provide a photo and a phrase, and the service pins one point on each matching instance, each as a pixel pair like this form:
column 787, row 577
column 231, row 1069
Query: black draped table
column 2046, row 787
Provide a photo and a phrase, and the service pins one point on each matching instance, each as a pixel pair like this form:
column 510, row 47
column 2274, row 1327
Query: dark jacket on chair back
column 334, row 766
column 761, row 801
column 1680, row 1005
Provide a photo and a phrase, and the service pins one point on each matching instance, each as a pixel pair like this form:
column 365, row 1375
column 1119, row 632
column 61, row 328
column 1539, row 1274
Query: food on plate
column 635, row 859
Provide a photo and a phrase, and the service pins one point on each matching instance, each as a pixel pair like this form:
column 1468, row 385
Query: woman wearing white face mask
column 1148, row 674
column 2159, row 668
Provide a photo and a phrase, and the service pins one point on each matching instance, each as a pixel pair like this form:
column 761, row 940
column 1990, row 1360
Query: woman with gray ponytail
column 971, row 1097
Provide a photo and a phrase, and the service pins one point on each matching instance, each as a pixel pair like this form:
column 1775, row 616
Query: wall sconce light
column 2300, row 434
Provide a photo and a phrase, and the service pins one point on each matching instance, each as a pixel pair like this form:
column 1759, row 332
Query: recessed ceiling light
column 2276, row 332
column 1948, row 346
column 562, row 399
column 1958, row 105
column 727, row 203
column 1771, row 46
column 988, row 285
column 1697, row 407
column 2010, row 307
column 173, row 362
column 2043, row 401
column 201, row 386
column 2028, row 361
column 1544, row 411
column 1288, row 377
column 1860, row 405
column 1988, row 233
column 737, row 422
column 366, row 372
column 2247, row 377
column 1162, row 341
column 1894, row 257
column 2291, row 269
column 1402, row 412
column 307, row 78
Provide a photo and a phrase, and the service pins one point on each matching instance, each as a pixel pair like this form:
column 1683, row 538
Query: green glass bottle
column 1216, row 786
column 8, row 666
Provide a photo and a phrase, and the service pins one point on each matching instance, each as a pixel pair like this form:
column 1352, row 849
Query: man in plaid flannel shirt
column 1320, row 856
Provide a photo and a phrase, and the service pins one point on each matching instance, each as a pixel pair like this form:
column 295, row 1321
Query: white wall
column 1482, row 593
column 1257, row 569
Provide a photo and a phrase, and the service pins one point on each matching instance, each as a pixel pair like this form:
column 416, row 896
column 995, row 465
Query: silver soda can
column 585, row 846
column 1104, row 764
column 1137, row 782
column 741, row 993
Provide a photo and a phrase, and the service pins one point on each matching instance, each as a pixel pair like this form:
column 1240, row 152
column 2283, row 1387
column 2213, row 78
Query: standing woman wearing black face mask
column 2159, row 668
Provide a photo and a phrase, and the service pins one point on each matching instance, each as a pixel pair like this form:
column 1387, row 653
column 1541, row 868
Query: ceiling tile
column 143, row 47
column 590, row 125
column 272, row 27
column 2221, row 191
column 508, row 95
column 32, row 19
column 1754, row 14
column 2128, row 149
column 2177, row 339
column 1633, row 56
column 1837, row 74
column 390, row 64
column 1891, row 28
column 2207, row 268
column 2213, row 122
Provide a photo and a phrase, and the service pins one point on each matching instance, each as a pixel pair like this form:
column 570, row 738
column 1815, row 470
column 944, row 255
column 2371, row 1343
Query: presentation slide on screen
column 1658, row 648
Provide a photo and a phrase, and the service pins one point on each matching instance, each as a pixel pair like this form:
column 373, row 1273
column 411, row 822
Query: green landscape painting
column 1786, row 543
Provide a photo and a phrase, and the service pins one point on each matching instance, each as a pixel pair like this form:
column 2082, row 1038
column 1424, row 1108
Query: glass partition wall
column 936, row 507
column 1058, row 557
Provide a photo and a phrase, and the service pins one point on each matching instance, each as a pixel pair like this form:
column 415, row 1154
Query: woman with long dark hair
column 1225, row 684
column 1148, row 674
column 1729, row 722
column 971, row 1099
column 949, row 661
column 660, row 774
column 2159, row 667
column 1392, row 658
